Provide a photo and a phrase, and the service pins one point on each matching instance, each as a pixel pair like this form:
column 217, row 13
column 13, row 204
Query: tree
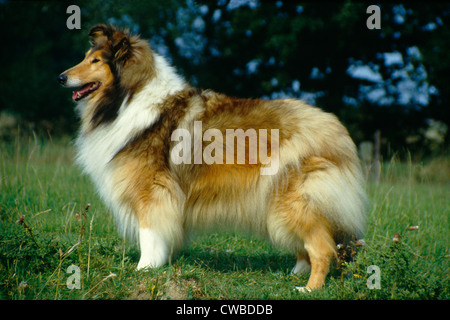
column 308, row 51
column 393, row 79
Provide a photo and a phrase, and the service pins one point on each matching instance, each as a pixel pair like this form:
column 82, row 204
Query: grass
column 45, row 227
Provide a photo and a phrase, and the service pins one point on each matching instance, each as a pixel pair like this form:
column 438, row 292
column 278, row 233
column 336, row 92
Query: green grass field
column 44, row 229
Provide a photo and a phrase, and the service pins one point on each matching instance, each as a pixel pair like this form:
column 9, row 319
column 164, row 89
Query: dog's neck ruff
column 96, row 148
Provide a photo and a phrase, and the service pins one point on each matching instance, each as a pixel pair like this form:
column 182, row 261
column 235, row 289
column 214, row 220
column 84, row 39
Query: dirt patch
column 141, row 292
column 180, row 289
column 173, row 289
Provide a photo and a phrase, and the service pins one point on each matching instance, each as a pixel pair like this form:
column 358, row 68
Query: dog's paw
column 301, row 267
column 303, row 289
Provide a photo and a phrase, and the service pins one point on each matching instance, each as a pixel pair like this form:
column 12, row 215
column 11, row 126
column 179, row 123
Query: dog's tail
column 334, row 185
column 337, row 192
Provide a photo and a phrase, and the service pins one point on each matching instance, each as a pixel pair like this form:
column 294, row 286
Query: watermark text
column 237, row 151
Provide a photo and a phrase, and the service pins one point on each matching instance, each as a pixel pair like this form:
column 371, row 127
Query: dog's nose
column 62, row 78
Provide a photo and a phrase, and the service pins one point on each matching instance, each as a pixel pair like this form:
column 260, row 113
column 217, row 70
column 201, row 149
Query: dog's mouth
column 84, row 91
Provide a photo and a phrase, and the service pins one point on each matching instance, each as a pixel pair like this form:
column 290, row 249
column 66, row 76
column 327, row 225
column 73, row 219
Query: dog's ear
column 122, row 48
column 100, row 33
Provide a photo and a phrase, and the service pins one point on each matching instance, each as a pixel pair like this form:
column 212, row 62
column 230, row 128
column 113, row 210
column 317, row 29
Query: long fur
column 315, row 198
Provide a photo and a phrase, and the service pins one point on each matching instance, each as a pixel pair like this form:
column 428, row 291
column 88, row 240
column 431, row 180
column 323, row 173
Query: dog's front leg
column 154, row 249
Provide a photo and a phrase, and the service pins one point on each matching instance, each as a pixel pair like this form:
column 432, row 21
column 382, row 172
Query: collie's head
column 116, row 66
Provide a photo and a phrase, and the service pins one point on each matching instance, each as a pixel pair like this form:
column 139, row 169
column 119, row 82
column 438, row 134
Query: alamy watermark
column 374, row 20
column 73, row 281
column 374, row 281
column 213, row 153
column 74, row 20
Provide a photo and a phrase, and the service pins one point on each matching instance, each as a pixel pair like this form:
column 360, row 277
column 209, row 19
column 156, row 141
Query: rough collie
column 170, row 159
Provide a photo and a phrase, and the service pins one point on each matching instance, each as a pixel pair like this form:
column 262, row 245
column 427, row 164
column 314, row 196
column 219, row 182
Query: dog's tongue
column 78, row 94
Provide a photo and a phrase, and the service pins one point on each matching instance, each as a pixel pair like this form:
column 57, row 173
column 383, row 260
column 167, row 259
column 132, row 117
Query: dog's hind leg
column 298, row 226
column 318, row 242
column 321, row 248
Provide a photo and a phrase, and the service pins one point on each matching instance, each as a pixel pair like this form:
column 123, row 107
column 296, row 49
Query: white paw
column 301, row 267
column 144, row 265
column 303, row 289
column 154, row 251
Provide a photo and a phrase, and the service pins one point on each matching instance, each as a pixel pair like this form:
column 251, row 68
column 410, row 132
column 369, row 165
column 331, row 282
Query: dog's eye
column 95, row 60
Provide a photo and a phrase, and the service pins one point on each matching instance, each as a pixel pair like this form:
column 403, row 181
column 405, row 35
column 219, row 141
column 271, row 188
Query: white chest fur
column 96, row 149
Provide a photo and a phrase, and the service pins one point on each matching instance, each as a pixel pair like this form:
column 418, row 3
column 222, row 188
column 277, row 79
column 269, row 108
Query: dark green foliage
column 403, row 275
column 285, row 41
